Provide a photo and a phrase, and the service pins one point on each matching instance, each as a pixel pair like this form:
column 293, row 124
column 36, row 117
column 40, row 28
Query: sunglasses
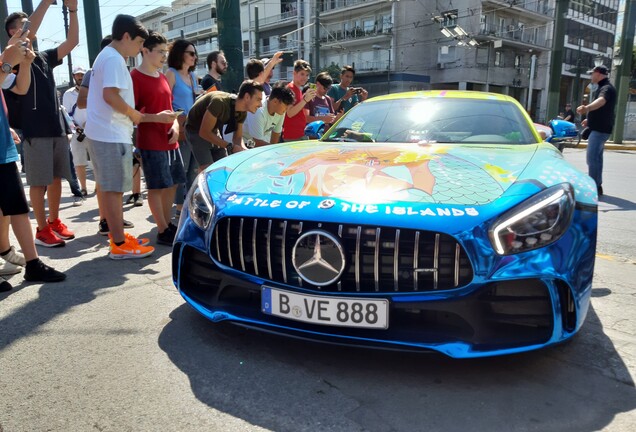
column 192, row 53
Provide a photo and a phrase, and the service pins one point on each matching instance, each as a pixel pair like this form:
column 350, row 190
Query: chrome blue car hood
column 455, row 174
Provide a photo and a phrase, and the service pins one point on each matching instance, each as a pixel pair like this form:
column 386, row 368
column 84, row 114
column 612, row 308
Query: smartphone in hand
column 26, row 26
column 312, row 86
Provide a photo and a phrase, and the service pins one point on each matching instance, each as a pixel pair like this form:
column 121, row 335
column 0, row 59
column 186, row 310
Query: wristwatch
column 6, row 67
column 229, row 145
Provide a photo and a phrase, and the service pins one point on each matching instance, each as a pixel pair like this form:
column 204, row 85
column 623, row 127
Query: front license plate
column 342, row 312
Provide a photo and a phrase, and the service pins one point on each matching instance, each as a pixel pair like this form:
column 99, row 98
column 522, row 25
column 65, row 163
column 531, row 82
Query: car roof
column 454, row 94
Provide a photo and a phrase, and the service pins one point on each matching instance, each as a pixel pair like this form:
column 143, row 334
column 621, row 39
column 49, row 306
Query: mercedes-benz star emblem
column 318, row 258
column 326, row 204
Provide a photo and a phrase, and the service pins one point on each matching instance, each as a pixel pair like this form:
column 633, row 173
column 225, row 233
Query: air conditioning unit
column 441, row 65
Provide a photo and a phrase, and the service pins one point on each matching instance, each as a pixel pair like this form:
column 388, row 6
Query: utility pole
column 71, row 81
column 625, row 69
column 316, row 63
column 4, row 13
column 556, row 59
column 257, row 43
column 93, row 29
column 228, row 13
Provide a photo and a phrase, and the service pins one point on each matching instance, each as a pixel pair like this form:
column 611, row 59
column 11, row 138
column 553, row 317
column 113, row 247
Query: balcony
column 337, row 5
column 283, row 18
column 198, row 29
column 355, row 34
column 535, row 9
column 515, row 36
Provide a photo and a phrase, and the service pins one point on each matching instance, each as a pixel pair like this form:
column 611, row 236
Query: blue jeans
column 595, row 147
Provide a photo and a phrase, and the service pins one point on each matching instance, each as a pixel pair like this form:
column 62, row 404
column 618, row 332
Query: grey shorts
column 111, row 165
column 46, row 159
column 162, row 169
column 78, row 148
column 204, row 151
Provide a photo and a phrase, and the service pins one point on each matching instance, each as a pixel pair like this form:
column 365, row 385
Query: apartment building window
column 450, row 18
column 483, row 23
column 368, row 25
column 246, row 47
column 501, row 24
column 190, row 19
column 387, row 25
column 499, row 59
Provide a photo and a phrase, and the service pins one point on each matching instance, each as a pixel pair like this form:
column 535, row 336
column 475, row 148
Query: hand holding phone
column 26, row 26
column 312, row 86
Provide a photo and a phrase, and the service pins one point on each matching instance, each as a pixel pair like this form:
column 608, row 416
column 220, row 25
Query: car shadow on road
column 293, row 385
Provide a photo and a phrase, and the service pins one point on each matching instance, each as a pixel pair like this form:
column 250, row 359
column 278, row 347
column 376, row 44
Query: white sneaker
column 7, row 268
column 14, row 257
column 78, row 201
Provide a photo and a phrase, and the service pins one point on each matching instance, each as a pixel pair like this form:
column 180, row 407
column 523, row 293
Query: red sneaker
column 61, row 230
column 47, row 238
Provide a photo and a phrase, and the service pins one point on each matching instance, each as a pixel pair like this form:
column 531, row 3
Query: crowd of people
column 162, row 121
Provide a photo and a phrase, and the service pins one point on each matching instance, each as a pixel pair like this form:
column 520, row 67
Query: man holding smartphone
column 157, row 135
column 46, row 145
column 344, row 96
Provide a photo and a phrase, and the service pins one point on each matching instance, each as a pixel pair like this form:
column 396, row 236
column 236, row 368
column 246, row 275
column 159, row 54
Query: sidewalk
column 85, row 258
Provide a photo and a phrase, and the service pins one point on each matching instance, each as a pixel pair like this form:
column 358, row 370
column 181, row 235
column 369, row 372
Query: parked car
column 433, row 220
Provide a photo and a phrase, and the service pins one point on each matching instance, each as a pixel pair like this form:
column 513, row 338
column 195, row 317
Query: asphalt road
column 114, row 348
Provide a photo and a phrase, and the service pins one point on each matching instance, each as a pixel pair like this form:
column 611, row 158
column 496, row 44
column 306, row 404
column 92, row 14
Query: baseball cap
column 265, row 60
column 602, row 69
column 79, row 70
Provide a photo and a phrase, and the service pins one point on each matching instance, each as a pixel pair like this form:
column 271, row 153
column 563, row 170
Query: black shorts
column 12, row 199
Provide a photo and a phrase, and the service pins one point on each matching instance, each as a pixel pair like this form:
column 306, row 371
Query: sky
column 51, row 32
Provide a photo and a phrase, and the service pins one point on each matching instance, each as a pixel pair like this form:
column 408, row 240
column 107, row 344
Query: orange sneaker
column 131, row 249
column 47, row 238
column 61, row 230
column 140, row 241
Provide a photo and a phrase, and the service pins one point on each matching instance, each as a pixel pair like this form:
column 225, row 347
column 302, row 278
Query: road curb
column 608, row 146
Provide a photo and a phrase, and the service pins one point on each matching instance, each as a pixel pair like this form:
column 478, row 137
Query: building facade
column 486, row 45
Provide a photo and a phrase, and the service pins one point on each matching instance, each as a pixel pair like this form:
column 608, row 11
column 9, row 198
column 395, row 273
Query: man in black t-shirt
column 600, row 120
column 46, row 145
column 217, row 66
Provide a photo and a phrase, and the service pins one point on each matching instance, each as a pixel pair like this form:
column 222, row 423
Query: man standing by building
column 217, row 66
column 78, row 116
column 600, row 120
column 211, row 112
column 568, row 115
column 46, row 146
column 109, row 127
column 343, row 95
column 157, row 135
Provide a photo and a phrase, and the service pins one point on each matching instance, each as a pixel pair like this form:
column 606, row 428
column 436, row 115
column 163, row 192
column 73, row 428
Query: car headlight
column 200, row 204
column 535, row 223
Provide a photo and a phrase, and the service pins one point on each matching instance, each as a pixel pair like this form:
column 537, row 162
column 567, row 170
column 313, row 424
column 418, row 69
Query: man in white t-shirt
column 109, row 127
column 266, row 124
column 78, row 115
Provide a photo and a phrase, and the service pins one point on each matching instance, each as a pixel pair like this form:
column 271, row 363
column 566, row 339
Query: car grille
column 378, row 259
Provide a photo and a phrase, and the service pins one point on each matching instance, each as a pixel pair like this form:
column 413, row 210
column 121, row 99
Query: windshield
column 434, row 120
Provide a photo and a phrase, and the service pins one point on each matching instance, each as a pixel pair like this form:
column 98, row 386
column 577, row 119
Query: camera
column 80, row 134
column 358, row 90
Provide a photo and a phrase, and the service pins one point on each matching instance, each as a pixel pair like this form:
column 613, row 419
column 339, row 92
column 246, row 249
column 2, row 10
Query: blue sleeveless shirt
column 182, row 93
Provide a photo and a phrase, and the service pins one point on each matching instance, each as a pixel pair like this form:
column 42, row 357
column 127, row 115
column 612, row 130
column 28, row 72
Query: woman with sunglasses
column 182, row 62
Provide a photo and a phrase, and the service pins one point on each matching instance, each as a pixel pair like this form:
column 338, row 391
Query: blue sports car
column 428, row 220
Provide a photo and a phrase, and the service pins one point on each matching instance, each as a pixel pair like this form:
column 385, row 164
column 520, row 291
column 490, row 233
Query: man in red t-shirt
column 157, row 135
column 295, row 121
